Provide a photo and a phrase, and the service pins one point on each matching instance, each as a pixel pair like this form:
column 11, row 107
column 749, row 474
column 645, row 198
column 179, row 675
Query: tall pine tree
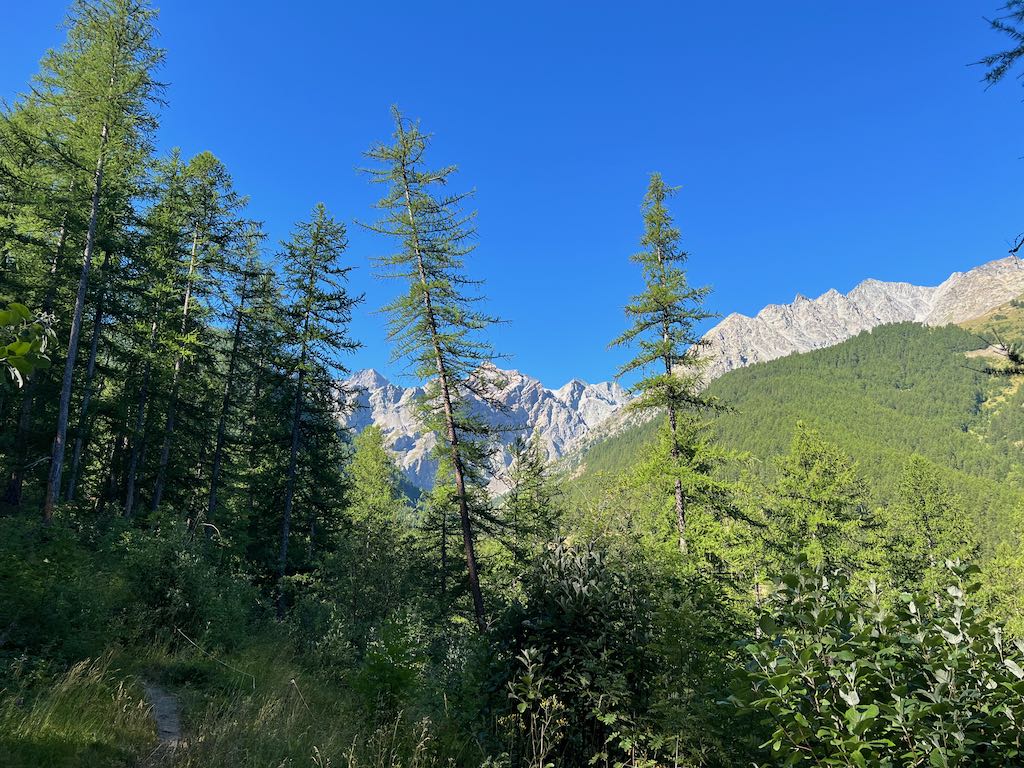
column 320, row 311
column 664, row 330
column 436, row 325
column 101, row 84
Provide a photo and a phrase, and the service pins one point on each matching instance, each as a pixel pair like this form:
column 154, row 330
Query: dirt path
column 167, row 713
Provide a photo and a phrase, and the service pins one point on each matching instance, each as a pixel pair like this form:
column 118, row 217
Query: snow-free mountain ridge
column 805, row 324
column 561, row 417
column 577, row 414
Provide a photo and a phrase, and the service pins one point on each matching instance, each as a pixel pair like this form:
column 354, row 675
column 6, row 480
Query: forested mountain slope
column 881, row 396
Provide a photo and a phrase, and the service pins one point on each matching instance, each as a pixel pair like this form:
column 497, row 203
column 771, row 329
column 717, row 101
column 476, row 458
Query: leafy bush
column 579, row 664
column 174, row 587
column 57, row 599
column 848, row 682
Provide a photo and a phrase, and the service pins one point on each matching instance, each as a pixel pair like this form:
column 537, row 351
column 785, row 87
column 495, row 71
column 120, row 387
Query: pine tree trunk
column 165, row 450
column 293, row 455
column 110, row 490
column 90, row 372
column 253, row 421
column 453, row 438
column 225, row 407
column 289, row 496
column 63, row 410
column 680, row 506
column 137, row 433
column 444, row 555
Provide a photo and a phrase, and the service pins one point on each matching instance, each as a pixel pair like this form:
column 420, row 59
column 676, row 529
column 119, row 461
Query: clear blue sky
column 818, row 143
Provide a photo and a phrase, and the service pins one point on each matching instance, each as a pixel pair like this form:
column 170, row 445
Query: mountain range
column 806, row 324
column 573, row 416
column 561, row 417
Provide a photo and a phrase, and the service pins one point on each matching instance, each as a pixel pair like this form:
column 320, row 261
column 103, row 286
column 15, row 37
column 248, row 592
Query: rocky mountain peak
column 561, row 417
column 568, row 417
column 783, row 329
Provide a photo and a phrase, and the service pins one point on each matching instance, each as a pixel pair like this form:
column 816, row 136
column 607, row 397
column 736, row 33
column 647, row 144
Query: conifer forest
column 222, row 545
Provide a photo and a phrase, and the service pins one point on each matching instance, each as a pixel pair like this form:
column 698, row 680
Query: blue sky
column 818, row 143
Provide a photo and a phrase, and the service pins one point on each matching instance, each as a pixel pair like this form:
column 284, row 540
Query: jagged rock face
column 782, row 329
column 562, row 417
column 577, row 414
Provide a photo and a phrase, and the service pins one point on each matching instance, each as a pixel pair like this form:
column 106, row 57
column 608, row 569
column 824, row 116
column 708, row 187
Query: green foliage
column 375, row 496
column 847, row 681
column 91, row 716
column 579, row 658
column 924, row 528
column 1003, row 579
column 436, row 325
column 177, row 593
column 208, row 475
column 665, row 314
column 879, row 397
column 817, row 502
column 57, row 599
column 532, row 504
column 24, row 342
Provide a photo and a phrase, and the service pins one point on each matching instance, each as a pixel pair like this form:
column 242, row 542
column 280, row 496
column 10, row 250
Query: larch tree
column 925, row 527
column 436, row 325
column 216, row 234
column 375, row 497
column 532, row 504
column 240, row 311
column 101, row 84
column 818, row 504
column 153, row 279
column 664, row 318
column 319, row 310
column 36, row 234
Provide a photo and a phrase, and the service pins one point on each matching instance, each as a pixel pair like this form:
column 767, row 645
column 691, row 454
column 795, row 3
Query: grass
column 93, row 714
column 85, row 622
column 255, row 707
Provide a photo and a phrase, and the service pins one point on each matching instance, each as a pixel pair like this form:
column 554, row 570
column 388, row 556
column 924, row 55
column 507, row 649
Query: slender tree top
column 103, row 74
column 314, row 279
column 665, row 314
column 435, row 235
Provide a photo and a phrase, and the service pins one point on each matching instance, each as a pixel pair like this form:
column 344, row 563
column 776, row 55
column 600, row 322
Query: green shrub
column 578, row 661
column 846, row 682
column 57, row 599
column 175, row 589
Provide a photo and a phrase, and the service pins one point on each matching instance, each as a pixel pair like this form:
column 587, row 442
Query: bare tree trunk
column 225, row 408
column 453, row 438
column 90, row 371
column 57, row 458
column 138, row 437
column 165, row 450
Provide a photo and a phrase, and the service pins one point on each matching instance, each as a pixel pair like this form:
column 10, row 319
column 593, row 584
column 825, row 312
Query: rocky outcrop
column 782, row 329
column 562, row 417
